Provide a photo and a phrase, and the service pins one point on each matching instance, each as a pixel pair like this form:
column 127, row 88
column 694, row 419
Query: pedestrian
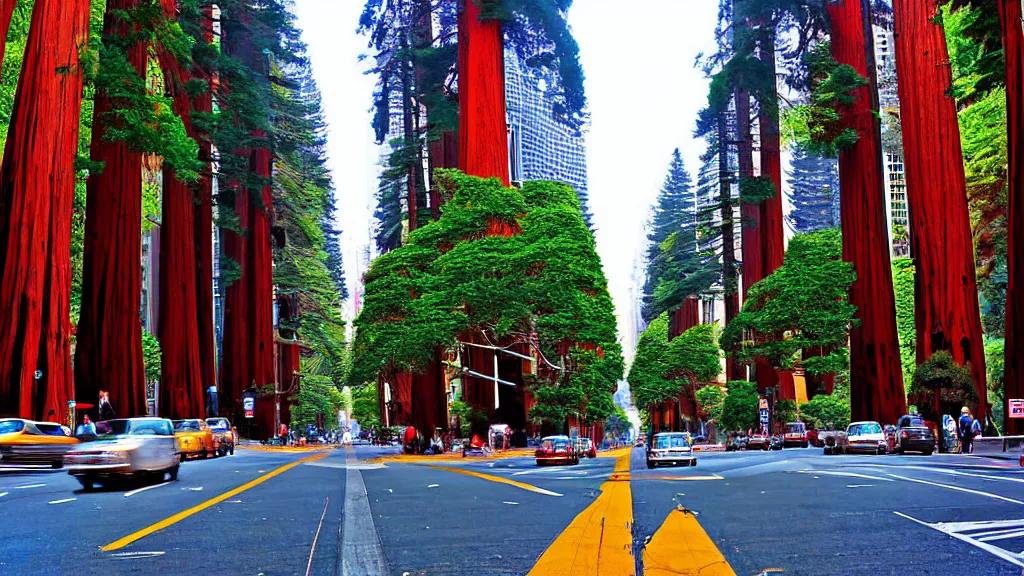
column 966, row 425
column 284, row 434
column 106, row 409
column 975, row 432
column 86, row 428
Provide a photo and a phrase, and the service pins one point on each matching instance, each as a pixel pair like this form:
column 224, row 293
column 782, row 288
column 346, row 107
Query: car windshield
column 187, row 426
column 112, row 428
column 151, row 428
column 9, row 426
column 218, row 424
column 675, row 441
column 50, row 429
column 916, row 421
column 793, row 428
column 861, row 429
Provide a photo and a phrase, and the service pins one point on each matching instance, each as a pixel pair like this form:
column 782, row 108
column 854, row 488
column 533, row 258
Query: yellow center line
column 681, row 547
column 497, row 479
column 135, row 536
column 599, row 541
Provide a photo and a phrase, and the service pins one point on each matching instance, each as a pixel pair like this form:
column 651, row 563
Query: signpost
column 249, row 405
column 1016, row 407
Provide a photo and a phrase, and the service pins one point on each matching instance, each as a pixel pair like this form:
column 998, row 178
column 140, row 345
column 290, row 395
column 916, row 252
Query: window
column 152, row 428
column 11, row 426
column 671, row 441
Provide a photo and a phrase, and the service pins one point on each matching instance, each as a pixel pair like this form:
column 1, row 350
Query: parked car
column 827, row 432
column 776, row 443
column 25, row 442
column 795, row 435
column 556, row 450
column 867, row 436
column 224, row 435
column 125, row 448
column 759, row 442
column 586, row 448
column 194, row 438
column 914, row 435
column 670, row 448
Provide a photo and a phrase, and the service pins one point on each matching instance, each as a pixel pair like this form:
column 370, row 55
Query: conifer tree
column 814, row 193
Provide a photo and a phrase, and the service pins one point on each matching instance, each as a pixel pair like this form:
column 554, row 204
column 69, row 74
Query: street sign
column 762, row 404
column 764, row 416
column 1016, row 407
column 249, row 405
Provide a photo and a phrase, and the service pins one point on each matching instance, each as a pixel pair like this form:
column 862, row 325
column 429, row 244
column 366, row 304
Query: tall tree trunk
column 483, row 138
column 753, row 262
column 108, row 355
column 6, row 13
column 236, row 368
column 945, row 291
column 772, row 240
column 203, row 227
column 181, row 382
column 261, row 348
column 37, row 183
column 730, row 293
column 876, row 377
column 1013, row 46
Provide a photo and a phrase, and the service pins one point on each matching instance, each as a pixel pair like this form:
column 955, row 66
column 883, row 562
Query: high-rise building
column 896, row 213
column 541, row 147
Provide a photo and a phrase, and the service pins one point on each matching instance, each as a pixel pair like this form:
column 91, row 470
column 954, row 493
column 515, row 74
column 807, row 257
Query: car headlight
column 115, row 456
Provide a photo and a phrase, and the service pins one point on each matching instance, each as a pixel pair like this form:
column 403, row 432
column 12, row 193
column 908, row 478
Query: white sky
column 644, row 95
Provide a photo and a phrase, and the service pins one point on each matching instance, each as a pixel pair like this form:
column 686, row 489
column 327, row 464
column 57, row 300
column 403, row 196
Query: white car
column 866, row 437
column 126, row 448
column 670, row 448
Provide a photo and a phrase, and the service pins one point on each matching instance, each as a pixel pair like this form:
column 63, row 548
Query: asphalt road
column 261, row 512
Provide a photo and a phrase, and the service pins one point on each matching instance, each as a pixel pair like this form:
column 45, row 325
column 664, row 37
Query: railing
column 1007, row 446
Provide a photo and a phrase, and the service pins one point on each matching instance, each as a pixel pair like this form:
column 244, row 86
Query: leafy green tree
column 739, row 408
column 710, row 401
column 151, row 356
column 802, row 305
column 663, row 370
column 365, row 408
column 941, row 386
column 903, row 284
column 827, row 409
column 815, row 192
column 674, row 214
column 316, row 396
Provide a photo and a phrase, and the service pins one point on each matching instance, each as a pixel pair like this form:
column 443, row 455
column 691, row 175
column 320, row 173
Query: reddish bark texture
column 1013, row 47
column 6, row 13
column 236, row 369
column 483, row 139
column 685, row 317
column 729, row 281
column 753, row 253
column 108, row 355
column 945, row 293
column 203, row 228
column 771, row 166
column 37, row 182
column 262, row 343
column 429, row 400
column 876, row 377
column 444, row 153
column 181, row 382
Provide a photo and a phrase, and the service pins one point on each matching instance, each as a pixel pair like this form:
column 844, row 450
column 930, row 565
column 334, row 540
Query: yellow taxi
column 28, row 443
column 194, row 438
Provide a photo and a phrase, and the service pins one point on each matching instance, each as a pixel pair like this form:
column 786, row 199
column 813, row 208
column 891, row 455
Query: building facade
column 896, row 214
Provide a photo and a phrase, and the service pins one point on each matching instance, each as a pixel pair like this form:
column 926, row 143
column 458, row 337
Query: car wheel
column 173, row 473
column 87, row 482
column 231, row 449
column 203, row 455
column 928, row 452
column 650, row 465
column 805, row 445
column 693, row 462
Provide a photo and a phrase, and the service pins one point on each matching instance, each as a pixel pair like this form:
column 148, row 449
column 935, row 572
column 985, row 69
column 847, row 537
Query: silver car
column 670, row 448
column 126, row 448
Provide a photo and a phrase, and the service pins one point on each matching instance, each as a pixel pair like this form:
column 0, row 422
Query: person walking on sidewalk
column 967, row 425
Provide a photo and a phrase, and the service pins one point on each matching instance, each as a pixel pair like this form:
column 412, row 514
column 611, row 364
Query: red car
column 557, row 450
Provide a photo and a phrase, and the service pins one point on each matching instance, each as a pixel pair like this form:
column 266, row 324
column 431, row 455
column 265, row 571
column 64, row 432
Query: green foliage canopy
column 662, row 370
column 739, row 408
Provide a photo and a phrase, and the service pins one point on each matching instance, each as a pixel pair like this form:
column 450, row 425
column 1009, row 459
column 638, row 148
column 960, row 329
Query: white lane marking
column 859, row 485
column 954, row 529
column 511, row 503
column 234, row 501
column 64, row 501
column 2, row 494
column 134, row 555
column 845, row 474
column 948, row 472
column 192, row 489
column 144, row 488
column 432, row 485
column 344, row 466
column 1003, row 536
column 29, row 486
column 959, row 489
column 312, row 549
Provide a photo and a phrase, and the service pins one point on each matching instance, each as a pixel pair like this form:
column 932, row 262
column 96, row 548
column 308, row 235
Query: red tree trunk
column 483, row 139
column 6, row 13
column 109, row 351
column 685, row 317
column 236, row 368
column 262, row 343
column 203, row 227
column 876, row 378
column 946, row 293
column 181, row 383
column 1013, row 47
column 37, row 182
column 753, row 253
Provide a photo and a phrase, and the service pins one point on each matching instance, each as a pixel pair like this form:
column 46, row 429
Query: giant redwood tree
column 1012, row 21
column 109, row 350
column 37, row 183
column 483, row 142
column 946, row 293
column 876, row 378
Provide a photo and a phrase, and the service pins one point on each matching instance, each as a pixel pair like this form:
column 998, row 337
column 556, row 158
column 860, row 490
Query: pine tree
column 674, row 213
column 815, row 192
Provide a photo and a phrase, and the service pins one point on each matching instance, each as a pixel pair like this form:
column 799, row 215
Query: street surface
column 344, row 512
